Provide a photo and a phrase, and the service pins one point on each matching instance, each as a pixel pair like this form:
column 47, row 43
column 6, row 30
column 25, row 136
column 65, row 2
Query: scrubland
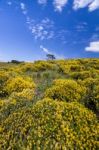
column 49, row 105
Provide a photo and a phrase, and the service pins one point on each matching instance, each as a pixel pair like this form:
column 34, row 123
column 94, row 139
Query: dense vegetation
column 49, row 105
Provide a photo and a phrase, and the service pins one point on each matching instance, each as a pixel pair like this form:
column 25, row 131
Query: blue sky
column 29, row 29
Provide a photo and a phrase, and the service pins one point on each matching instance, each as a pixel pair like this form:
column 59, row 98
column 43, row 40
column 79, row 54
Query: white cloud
column 44, row 49
column 93, row 47
column 59, row 4
column 77, row 4
column 42, row 30
column 81, row 3
column 91, row 4
column 23, row 8
column 94, row 5
column 42, row 1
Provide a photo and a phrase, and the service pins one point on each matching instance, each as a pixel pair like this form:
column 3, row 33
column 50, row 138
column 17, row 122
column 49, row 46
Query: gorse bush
column 3, row 78
column 43, row 65
column 92, row 95
column 80, row 75
column 18, row 84
column 96, row 101
column 66, row 90
column 19, row 87
column 50, row 125
column 49, row 105
column 27, row 93
column 12, row 105
column 38, row 66
column 70, row 66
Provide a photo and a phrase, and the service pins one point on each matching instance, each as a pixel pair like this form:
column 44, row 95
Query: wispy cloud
column 44, row 49
column 9, row 3
column 93, row 47
column 83, row 26
column 42, row 30
column 47, row 51
column 42, row 2
column 23, row 8
column 94, row 37
column 59, row 4
column 91, row 4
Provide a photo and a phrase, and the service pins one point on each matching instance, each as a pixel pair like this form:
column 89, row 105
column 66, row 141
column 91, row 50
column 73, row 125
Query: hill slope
column 49, row 105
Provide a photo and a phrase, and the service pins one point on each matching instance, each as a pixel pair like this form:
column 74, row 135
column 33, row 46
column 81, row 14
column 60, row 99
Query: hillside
column 49, row 105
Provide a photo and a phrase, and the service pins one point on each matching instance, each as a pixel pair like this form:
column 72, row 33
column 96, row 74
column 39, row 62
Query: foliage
column 66, row 90
column 38, row 66
column 18, row 84
column 3, row 78
column 50, row 57
column 49, row 105
column 12, row 105
column 84, row 74
column 19, row 87
column 50, row 125
column 92, row 95
column 16, row 61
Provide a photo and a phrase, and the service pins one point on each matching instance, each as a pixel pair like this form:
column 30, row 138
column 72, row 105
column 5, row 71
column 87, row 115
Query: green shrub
column 50, row 125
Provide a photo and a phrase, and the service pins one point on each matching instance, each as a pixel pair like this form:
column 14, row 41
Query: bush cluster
column 50, row 125
column 38, row 66
column 66, row 90
column 3, row 78
column 21, row 87
column 92, row 94
column 49, row 105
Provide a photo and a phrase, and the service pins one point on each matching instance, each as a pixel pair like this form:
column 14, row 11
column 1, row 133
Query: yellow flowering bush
column 3, row 78
column 64, row 68
column 18, row 84
column 27, row 94
column 1, row 103
column 92, row 95
column 77, row 67
column 97, row 97
column 43, row 65
column 67, row 66
column 38, row 66
column 50, row 125
column 13, row 104
column 27, row 67
column 61, row 121
column 81, row 75
column 66, row 90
